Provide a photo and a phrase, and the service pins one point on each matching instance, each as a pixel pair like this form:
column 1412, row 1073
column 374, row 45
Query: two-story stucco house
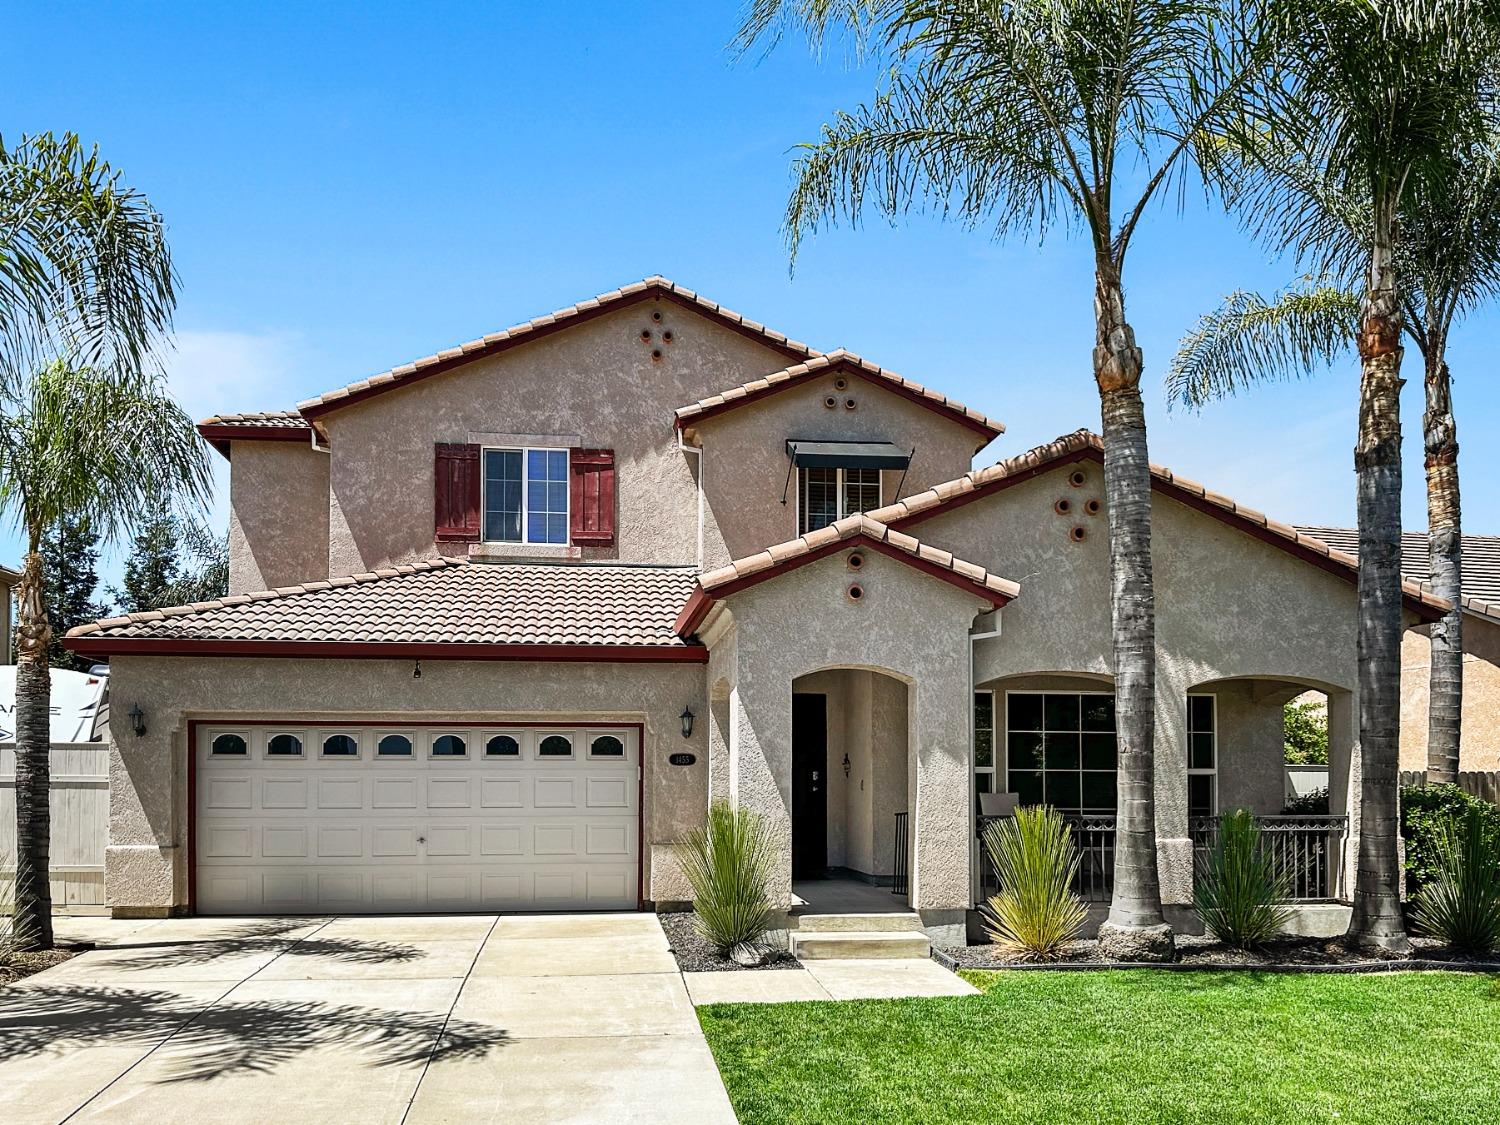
column 503, row 621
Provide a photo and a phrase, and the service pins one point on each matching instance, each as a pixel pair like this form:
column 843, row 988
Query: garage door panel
column 412, row 833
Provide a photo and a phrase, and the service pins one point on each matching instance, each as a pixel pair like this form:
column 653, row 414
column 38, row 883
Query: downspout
column 975, row 853
column 697, row 452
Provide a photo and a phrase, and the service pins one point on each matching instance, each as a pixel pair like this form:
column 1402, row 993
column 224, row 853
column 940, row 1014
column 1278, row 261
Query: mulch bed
column 694, row 955
column 17, row 965
column 1284, row 955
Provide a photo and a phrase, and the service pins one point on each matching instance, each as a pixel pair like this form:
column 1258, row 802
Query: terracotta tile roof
column 440, row 602
column 837, row 361
column 266, row 425
column 851, row 531
column 651, row 287
column 1481, row 562
column 1084, row 445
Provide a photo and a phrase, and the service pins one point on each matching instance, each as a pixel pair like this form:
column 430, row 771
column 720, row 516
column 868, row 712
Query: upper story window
column 825, row 495
column 526, row 496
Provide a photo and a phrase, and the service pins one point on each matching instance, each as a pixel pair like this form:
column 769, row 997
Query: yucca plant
column 728, row 863
column 10, row 939
column 1239, row 890
column 1036, row 911
column 1461, row 907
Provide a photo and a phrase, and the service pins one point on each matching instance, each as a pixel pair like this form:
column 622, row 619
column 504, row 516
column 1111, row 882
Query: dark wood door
column 809, row 786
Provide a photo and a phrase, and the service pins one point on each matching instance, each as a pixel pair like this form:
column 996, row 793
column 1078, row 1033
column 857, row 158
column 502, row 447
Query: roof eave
column 103, row 645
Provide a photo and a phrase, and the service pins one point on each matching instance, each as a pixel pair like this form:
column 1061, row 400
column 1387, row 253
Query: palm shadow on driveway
column 261, row 937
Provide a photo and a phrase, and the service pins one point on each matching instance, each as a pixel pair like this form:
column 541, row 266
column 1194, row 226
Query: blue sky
column 349, row 186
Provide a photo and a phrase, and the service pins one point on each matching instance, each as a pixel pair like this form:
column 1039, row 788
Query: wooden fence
column 80, row 819
column 1484, row 785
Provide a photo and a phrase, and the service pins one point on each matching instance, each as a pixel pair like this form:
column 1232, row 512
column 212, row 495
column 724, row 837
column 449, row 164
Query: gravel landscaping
column 1301, row 953
column 17, row 965
column 694, row 955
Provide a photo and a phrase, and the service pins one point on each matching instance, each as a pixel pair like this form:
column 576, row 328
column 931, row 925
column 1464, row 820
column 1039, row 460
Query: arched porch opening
column 852, row 778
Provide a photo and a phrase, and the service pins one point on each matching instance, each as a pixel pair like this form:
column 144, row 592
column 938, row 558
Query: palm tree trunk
column 33, row 893
column 1444, row 542
column 1377, row 920
column 1136, row 929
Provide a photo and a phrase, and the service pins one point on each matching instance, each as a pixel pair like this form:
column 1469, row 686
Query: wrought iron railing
column 898, row 862
column 1307, row 850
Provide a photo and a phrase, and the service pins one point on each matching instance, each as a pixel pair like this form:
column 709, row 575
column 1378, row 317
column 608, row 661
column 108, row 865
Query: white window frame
column 1211, row 774
column 573, row 736
column 465, row 735
column 353, row 732
column 1002, row 743
column 484, row 489
column 275, row 733
column 995, row 739
column 380, row 734
column 214, row 734
column 600, row 732
column 838, row 489
column 517, row 733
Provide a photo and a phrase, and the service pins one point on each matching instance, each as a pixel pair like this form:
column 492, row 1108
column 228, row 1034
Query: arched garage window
column 555, row 746
column 285, row 746
column 229, row 745
column 502, row 746
column 395, row 746
column 606, row 746
column 449, row 746
column 340, row 746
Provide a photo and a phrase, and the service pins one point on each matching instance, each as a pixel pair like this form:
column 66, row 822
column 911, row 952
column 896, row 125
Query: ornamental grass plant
column 1036, row 912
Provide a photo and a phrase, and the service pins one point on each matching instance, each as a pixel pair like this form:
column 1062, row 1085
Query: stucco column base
column 140, row 877
column 946, row 926
column 1174, row 869
column 1136, row 943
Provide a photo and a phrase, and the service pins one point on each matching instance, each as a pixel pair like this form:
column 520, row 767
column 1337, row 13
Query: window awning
column 847, row 455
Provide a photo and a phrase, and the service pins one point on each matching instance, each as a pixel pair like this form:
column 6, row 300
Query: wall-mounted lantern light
column 137, row 720
column 687, row 718
column 846, row 765
column 416, row 670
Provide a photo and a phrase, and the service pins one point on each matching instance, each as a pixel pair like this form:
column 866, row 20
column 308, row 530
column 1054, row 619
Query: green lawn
column 1132, row 1047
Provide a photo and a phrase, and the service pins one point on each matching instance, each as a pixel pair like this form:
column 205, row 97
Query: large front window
column 1060, row 750
column 526, row 495
column 825, row 495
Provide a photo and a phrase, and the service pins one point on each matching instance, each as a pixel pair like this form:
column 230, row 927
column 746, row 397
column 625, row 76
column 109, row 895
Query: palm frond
column 1249, row 340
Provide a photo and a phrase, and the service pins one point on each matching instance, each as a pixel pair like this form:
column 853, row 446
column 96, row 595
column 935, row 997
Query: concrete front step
column 855, row 945
column 898, row 922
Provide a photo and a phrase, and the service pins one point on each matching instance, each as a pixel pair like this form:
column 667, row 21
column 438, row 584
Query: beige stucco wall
column 593, row 385
column 146, row 861
column 910, row 626
column 278, row 515
column 745, row 461
column 1228, row 607
column 1479, row 747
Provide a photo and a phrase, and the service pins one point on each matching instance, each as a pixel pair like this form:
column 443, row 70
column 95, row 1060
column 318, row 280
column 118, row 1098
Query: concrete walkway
column 416, row 1019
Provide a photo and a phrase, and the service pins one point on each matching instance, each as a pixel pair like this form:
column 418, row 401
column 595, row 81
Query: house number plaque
column 682, row 759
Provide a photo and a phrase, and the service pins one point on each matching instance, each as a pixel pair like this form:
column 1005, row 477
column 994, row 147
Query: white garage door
column 300, row 818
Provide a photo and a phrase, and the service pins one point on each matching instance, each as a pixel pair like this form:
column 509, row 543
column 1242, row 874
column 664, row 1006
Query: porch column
column 1174, row 845
column 1344, row 779
column 942, row 796
column 760, row 771
column 719, row 726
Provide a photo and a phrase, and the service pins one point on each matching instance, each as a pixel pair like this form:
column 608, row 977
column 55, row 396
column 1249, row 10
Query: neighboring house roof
column 441, row 608
column 838, row 362
column 1082, row 445
column 1481, row 562
column 9, row 577
column 851, row 531
column 267, row 425
column 650, row 288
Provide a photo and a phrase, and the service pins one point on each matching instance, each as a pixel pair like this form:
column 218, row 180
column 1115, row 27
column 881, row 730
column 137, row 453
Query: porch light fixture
column 416, row 669
column 687, row 718
column 846, row 765
column 137, row 720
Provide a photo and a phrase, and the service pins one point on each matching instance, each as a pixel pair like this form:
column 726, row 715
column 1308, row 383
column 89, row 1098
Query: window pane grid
column 825, row 495
column 1060, row 750
column 1203, row 755
column 526, row 496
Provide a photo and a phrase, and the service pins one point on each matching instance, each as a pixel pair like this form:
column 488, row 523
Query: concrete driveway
column 417, row 1019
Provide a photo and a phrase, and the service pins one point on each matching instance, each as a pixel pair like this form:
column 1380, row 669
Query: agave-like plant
column 1036, row 912
column 728, row 863
column 1239, row 889
column 10, row 938
column 1461, row 907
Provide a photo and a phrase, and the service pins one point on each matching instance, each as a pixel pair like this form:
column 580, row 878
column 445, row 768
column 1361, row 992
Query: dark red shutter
column 456, row 511
column 592, row 496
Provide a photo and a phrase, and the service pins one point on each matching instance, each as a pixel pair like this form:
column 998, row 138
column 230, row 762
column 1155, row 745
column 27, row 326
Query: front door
column 809, row 786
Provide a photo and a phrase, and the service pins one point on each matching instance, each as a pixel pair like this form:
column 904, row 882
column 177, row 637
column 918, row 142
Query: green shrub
column 1461, row 906
column 1312, row 803
column 1036, row 911
column 728, row 863
column 1425, row 809
column 1237, row 891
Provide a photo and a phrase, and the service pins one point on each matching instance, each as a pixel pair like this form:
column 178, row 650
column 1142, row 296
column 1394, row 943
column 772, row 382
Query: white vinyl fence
column 80, row 819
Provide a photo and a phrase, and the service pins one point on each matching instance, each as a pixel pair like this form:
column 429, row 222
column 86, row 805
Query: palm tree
column 100, row 448
column 1375, row 96
column 1018, row 115
column 85, row 274
column 1450, row 255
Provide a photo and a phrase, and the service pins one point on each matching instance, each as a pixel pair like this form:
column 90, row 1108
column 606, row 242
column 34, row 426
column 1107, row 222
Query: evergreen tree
column 70, row 551
column 152, row 569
